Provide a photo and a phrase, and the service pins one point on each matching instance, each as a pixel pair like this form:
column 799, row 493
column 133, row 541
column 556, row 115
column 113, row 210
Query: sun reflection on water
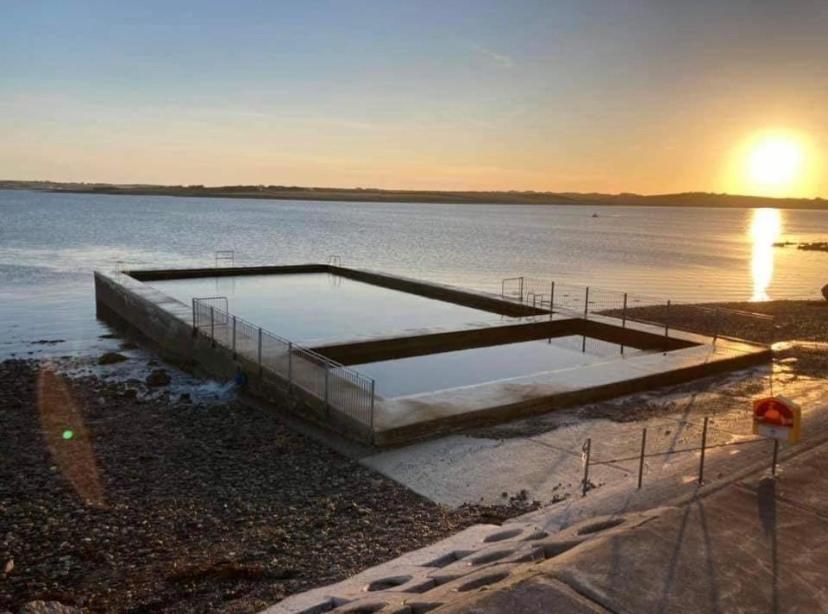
column 765, row 230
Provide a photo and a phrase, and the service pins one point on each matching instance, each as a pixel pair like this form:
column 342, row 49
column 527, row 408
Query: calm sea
column 51, row 243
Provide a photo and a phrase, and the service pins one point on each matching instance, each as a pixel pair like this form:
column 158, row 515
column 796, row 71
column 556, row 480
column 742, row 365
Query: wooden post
column 586, row 303
column 234, row 336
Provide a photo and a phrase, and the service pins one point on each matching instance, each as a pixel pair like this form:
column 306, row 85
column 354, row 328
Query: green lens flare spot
column 68, row 434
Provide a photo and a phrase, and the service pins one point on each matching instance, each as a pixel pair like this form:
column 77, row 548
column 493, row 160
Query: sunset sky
column 644, row 96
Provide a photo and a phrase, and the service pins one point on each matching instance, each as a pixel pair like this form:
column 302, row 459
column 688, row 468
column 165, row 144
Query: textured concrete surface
column 483, row 557
column 752, row 544
column 759, row 545
column 536, row 593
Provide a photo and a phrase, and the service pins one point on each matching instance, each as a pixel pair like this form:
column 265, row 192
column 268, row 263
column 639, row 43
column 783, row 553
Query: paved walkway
column 757, row 545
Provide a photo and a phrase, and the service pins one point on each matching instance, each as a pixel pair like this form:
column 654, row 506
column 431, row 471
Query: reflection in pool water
column 765, row 230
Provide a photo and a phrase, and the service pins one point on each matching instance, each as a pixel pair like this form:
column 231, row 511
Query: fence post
column 195, row 322
column 373, row 384
column 213, row 323
column 775, row 455
column 667, row 327
column 624, row 313
column 260, row 350
column 521, row 289
column 586, row 453
column 290, row 363
column 234, row 336
column 551, row 298
column 641, row 460
column 586, row 303
column 716, row 330
column 327, row 380
column 704, row 444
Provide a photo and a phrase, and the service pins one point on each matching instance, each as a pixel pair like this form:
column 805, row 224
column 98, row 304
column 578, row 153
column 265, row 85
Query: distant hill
column 686, row 199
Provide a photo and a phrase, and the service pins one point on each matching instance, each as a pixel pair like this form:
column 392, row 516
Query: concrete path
column 757, row 545
column 742, row 542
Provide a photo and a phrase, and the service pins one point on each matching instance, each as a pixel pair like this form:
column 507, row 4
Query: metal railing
column 667, row 448
column 336, row 386
column 586, row 301
column 225, row 255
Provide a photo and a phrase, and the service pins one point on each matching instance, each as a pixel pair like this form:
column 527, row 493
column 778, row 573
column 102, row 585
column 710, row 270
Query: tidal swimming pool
column 432, row 372
column 314, row 307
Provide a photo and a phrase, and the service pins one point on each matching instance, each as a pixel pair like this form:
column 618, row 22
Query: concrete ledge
column 467, row 298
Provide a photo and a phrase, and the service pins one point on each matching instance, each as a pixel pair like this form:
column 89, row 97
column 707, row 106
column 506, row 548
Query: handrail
column 341, row 372
column 225, row 254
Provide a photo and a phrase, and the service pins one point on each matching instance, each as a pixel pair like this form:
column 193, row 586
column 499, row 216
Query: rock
column 825, row 291
column 158, row 378
column 110, row 358
column 48, row 607
column 185, row 398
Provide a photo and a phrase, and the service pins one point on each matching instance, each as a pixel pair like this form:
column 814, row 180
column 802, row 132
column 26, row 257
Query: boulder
column 110, row 358
column 158, row 378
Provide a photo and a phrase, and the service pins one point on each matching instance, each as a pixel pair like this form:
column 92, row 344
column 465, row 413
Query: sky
column 616, row 96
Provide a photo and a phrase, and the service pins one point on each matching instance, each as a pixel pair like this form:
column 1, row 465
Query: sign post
column 777, row 418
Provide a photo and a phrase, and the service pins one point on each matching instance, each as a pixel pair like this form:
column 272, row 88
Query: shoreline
column 444, row 197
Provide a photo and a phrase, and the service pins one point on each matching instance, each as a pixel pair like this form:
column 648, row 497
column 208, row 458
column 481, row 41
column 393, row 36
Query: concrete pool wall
column 671, row 358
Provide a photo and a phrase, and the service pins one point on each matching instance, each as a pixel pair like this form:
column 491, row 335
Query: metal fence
column 336, row 386
column 681, row 437
column 586, row 301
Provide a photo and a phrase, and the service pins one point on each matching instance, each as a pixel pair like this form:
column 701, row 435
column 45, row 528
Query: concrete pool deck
column 675, row 357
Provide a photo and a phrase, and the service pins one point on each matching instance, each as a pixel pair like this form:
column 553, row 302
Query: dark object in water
column 819, row 246
column 825, row 292
column 594, row 215
column 816, row 246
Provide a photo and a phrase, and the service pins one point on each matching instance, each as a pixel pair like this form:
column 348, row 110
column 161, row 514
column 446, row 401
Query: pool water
column 428, row 373
column 311, row 308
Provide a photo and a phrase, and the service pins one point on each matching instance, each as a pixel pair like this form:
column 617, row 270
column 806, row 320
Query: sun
column 775, row 162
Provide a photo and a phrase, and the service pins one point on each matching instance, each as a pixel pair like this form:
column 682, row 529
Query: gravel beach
column 112, row 502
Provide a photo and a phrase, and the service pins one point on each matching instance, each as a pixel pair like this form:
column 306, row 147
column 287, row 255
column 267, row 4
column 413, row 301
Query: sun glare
column 765, row 229
column 775, row 164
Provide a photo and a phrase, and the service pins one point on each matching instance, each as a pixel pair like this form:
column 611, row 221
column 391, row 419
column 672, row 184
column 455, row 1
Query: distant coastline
column 686, row 199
